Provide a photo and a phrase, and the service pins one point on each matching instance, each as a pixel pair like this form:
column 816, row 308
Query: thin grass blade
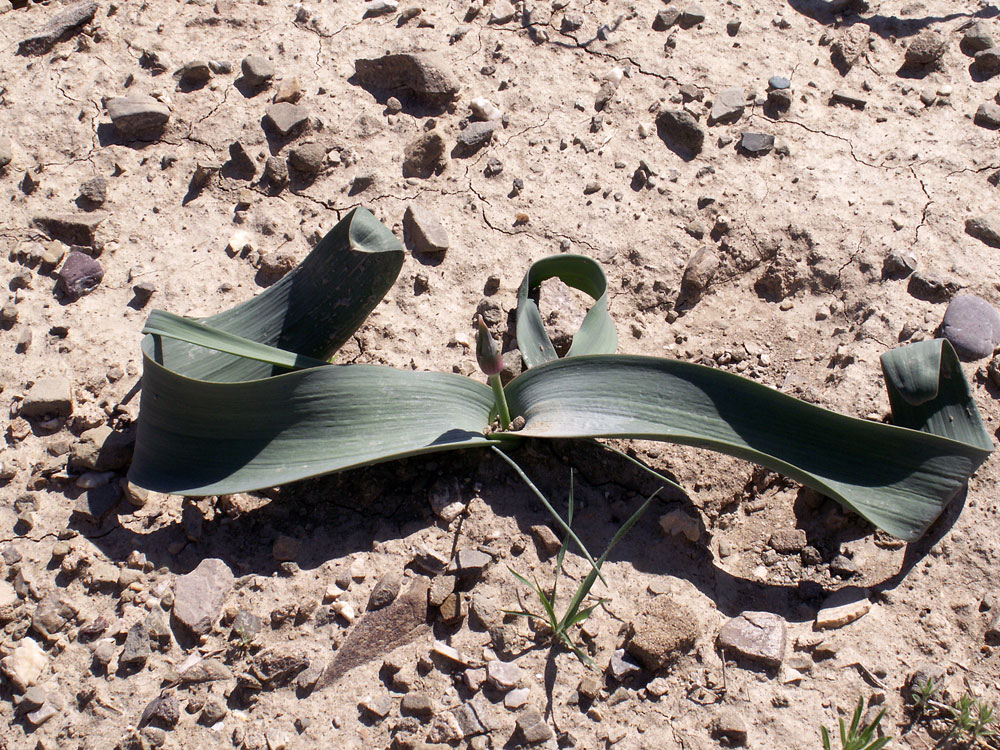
column 548, row 506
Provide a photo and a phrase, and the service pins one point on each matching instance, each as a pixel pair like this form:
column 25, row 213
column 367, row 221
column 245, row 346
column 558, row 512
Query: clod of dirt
column 423, row 75
column 424, row 155
column 665, row 631
column 927, row 48
column 681, row 132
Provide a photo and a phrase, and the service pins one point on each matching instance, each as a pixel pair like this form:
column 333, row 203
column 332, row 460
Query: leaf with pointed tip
column 898, row 478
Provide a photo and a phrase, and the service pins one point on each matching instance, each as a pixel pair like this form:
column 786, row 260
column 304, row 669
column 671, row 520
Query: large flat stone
column 138, row 115
column 286, row 118
column 425, row 229
column 52, row 396
column 422, row 74
column 62, row 26
column 381, row 631
column 757, row 636
column 72, row 229
column 199, row 595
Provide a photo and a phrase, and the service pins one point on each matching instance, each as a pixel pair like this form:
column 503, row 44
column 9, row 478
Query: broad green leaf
column 202, row 438
column 899, row 479
column 311, row 311
column 597, row 333
column 215, row 419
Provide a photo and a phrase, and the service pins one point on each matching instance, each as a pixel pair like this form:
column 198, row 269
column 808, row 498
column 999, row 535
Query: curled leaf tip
column 487, row 352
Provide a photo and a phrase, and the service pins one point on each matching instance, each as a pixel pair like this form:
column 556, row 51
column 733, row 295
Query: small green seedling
column 576, row 613
column 971, row 718
column 923, row 695
column 858, row 736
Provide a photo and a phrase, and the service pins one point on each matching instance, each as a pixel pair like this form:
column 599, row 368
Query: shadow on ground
column 337, row 515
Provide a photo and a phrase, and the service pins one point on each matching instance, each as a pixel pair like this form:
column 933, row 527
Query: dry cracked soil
column 783, row 190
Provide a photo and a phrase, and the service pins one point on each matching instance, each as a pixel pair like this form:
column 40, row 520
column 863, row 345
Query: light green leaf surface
column 900, row 479
column 216, row 418
column 221, row 412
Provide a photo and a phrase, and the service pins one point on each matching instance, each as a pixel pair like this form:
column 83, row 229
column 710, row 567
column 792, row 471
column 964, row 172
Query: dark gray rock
column 70, row 229
column 926, row 48
column 275, row 172
column 988, row 60
column 241, row 163
column 988, row 115
column 972, row 325
column 194, row 73
column 138, row 115
column 692, row 16
column 286, row 118
column 666, row 18
column 476, row 135
column 977, row 38
column 417, row 704
column 94, row 192
column 698, row 274
column 843, row 566
column 981, row 229
column 756, row 636
column 62, row 26
column 79, row 275
column 163, row 711
column 424, row 75
column 931, row 288
column 778, row 82
column 385, row 591
column 424, row 155
column 681, row 132
column 136, row 650
column 779, row 100
column 425, row 229
column 308, row 158
column 728, row 106
column 756, row 144
column 257, row 70
column 533, row 727
column 199, row 595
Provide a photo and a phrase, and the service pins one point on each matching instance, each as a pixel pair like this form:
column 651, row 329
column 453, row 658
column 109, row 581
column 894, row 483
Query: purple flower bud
column 487, row 353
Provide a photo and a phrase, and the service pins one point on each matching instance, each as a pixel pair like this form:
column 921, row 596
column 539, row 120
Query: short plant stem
column 501, row 402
